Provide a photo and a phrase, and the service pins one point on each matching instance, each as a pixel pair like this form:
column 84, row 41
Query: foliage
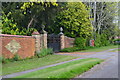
column 26, row 16
column 104, row 40
column 80, row 42
column 116, row 41
column 101, row 40
column 10, row 27
column 3, row 60
column 98, row 41
column 74, row 49
column 71, row 49
column 44, row 52
column 16, row 57
column 74, row 18
column 105, row 18
column 6, row 60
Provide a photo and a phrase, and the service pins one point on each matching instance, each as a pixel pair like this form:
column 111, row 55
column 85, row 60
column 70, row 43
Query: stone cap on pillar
column 61, row 31
column 35, row 33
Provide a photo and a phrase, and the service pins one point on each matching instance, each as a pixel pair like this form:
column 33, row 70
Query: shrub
column 116, row 41
column 16, row 57
column 4, row 60
column 71, row 49
column 98, row 41
column 104, row 40
column 101, row 40
column 80, row 42
column 88, row 41
column 44, row 52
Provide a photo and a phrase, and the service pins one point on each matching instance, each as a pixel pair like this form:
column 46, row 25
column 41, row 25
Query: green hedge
column 80, row 42
column 71, row 49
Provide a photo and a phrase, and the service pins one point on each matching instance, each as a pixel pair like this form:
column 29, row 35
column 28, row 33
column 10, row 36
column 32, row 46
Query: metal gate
column 53, row 41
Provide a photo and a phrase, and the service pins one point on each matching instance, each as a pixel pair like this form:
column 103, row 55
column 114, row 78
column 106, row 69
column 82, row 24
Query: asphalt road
column 107, row 69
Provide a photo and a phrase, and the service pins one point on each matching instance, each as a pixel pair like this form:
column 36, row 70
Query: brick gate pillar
column 36, row 35
column 62, row 41
column 45, row 39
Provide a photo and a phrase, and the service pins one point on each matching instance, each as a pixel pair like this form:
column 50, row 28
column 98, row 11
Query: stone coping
column 7, row 35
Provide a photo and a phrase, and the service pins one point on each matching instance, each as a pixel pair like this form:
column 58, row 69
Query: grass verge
column 98, row 49
column 89, row 49
column 19, row 66
column 67, row 70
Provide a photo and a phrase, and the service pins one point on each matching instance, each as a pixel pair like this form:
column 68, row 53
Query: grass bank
column 89, row 49
column 19, row 66
column 67, row 70
column 99, row 49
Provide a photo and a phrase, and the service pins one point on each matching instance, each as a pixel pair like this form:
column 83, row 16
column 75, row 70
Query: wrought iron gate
column 53, row 41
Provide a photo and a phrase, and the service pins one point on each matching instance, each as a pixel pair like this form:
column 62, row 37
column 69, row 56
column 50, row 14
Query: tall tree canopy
column 77, row 19
column 74, row 18
column 104, row 14
column 27, row 15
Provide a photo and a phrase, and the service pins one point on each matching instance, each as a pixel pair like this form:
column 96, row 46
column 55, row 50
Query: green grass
column 89, row 49
column 67, row 70
column 98, row 49
column 19, row 66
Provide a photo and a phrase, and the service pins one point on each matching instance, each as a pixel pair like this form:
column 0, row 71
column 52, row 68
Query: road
column 107, row 69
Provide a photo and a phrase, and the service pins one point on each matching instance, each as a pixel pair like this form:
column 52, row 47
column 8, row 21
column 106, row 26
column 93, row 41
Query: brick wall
column 24, row 46
column 68, row 42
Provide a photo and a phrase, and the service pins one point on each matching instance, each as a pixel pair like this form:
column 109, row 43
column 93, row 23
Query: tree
column 28, row 15
column 10, row 27
column 74, row 18
column 104, row 14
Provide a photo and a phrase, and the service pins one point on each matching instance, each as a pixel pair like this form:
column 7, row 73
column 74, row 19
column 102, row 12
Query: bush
column 44, row 52
column 116, row 41
column 16, row 57
column 101, row 40
column 71, row 49
column 4, row 60
column 104, row 40
column 80, row 42
column 88, row 41
column 98, row 41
